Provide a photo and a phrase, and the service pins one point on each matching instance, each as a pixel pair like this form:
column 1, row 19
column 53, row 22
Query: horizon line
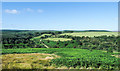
column 62, row 30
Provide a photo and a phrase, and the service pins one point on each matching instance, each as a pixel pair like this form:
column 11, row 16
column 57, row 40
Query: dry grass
column 57, row 39
column 28, row 61
column 117, row 56
column 91, row 34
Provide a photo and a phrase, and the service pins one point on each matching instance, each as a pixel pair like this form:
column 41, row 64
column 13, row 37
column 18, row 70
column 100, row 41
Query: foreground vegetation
column 73, row 57
column 27, row 61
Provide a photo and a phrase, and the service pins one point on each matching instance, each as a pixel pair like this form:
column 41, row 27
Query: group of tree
column 22, row 39
column 108, row 43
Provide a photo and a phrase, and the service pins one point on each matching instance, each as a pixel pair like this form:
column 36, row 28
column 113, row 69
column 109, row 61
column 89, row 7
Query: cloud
column 11, row 11
column 14, row 11
column 40, row 10
column 29, row 10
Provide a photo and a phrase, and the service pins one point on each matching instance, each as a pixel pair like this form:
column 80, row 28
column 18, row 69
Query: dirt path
column 44, row 44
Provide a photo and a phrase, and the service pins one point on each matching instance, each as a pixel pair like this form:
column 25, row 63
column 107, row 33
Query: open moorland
column 60, row 50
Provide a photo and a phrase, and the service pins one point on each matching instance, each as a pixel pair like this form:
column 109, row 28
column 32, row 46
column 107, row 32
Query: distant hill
column 97, row 31
column 7, row 30
column 15, row 30
column 86, row 31
column 26, row 31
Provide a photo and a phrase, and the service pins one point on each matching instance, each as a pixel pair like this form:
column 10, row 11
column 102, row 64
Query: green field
column 57, row 50
column 75, row 58
column 91, row 34
column 43, row 35
column 57, row 39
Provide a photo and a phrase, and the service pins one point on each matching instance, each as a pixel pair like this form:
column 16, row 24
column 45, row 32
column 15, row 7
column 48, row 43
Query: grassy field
column 68, row 53
column 73, row 57
column 27, row 61
column 43, row 35
column 57, row 39
column 91, row 34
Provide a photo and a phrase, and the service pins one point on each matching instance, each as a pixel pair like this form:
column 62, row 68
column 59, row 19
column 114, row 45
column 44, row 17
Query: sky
column 60, row 15
column 60, row 1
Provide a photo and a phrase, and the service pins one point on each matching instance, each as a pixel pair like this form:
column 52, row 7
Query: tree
column 74, row 47
column 55, row 46
column 118, row 43
column 48, row 41
column 110, row 50
column 37, row 33
column 65, row 44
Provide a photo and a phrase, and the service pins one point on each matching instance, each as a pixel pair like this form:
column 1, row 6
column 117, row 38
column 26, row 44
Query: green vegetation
column 22, row 39
column 42, row 36
column 108, row 43
column 61, row 44
column 79, row 50
column 73, row 57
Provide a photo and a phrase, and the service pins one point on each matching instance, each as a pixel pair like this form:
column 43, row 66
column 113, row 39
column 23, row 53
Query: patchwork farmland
column 60, row 50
